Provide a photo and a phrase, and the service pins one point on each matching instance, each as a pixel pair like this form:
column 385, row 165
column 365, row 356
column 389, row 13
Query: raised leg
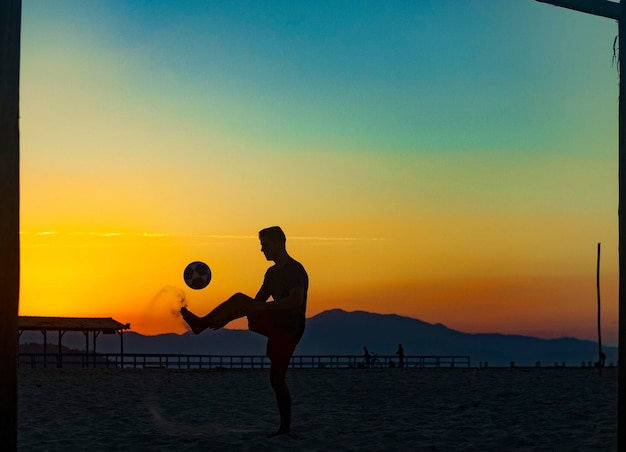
column 235, row 307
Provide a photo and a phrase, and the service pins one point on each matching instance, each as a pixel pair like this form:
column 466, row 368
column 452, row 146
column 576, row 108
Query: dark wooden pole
column 10, row 21
column 616, row 11
column 600, row 360
column 621, row 341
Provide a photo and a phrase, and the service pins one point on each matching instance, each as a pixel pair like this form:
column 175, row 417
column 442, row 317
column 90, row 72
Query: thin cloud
column 97, row 234
column 197, row 236
column 339, row 239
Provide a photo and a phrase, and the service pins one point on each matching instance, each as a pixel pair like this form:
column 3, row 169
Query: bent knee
column 241, row 297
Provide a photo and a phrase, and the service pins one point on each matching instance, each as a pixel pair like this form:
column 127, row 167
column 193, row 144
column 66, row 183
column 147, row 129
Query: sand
column 334, row 409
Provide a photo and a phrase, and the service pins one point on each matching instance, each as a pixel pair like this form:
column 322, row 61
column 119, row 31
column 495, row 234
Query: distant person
column 366, row 357
column 400, row 354
column 602, row 359
column 281, row 320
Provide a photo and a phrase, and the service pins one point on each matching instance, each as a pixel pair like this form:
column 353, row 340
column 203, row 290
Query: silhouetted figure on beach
column 366, row 356
column 602, row 360
column 281, row 320
column 400, row 354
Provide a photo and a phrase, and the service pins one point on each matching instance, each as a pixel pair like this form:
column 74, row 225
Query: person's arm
column 259, row 303
column 262, row 295
column 293, row 300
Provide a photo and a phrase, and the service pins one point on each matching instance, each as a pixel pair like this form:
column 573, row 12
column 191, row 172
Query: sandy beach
column 538, row 409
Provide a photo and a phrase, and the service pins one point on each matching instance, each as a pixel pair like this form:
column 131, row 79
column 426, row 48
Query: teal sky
column 432, row 76
column 476, row 135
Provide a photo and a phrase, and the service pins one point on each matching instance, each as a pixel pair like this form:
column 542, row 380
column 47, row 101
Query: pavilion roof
column 104, row 324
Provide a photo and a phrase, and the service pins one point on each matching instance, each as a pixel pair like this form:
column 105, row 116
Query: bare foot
column 194, row 322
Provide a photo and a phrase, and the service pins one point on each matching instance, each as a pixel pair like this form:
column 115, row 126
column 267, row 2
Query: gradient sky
column 449, row 160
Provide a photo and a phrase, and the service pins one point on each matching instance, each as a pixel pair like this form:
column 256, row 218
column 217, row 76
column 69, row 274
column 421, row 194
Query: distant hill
column 339, row 332
column 348, row 332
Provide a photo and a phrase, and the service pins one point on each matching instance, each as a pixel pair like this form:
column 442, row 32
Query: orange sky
column 459, row 167
column 137, row 278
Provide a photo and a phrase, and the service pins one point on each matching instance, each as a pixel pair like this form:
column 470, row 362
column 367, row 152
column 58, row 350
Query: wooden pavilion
column 61, row 325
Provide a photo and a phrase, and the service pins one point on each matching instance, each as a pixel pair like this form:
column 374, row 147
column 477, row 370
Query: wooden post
column 10, row 21
column 616, row 11
column 600, row 360
column 621, row 341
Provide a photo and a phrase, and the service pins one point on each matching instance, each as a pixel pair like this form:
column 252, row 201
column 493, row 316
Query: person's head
column 273, row 242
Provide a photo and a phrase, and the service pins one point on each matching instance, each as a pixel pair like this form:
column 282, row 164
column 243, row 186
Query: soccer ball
column 197, row 275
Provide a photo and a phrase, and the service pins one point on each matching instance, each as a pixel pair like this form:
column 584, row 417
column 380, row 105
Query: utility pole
column 10, row 22
column 615, row 11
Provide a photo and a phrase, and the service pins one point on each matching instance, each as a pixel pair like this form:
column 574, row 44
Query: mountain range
column 337, row 332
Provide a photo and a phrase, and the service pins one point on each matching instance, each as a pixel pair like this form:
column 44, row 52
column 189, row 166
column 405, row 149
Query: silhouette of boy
column 281, row 320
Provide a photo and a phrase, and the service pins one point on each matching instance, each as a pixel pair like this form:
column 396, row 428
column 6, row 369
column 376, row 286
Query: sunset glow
column 452, row 161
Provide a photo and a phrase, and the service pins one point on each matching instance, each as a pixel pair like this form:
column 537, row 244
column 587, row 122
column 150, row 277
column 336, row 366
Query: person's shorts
column 280, row 344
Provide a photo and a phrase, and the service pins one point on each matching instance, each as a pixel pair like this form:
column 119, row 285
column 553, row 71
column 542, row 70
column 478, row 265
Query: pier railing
column 177, row 361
